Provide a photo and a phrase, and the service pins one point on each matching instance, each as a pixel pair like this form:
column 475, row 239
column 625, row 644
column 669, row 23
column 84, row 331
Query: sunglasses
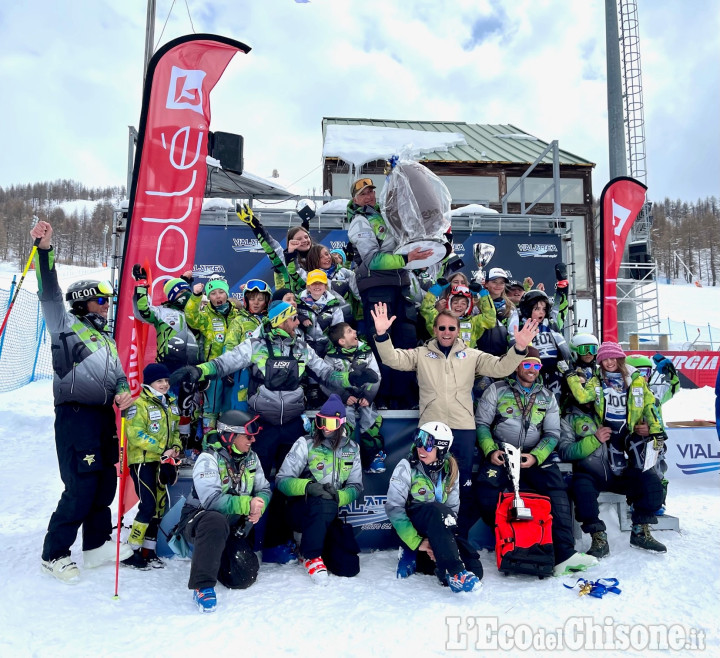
column 329, row 423
column 528, row 365
column 100, row 301
column 423, row 439
column 251, row 427
column 444, row 328
column 582, row 350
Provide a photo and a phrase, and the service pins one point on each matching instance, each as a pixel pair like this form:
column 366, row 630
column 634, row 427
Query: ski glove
column 189, row 375
column 317, row 490
column 334, row 494
column 139, row 273
column 245, row 214
column 360, row 376
column 664, row 365
column 563, row 368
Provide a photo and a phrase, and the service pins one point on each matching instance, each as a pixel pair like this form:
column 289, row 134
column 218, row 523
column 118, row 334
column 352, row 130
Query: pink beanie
column 609, row 350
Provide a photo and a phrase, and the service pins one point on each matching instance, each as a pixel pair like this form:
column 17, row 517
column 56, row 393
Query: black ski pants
column 324, row 534
column 274, row 442
column 452, row 553
column 152, row 496
column 546, row 480
column 218, row 554
column 643, row 489
column 87, row 449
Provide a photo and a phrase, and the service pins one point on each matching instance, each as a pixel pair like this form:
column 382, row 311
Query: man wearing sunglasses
column 521, row 411
column 88, row 380
column 446, row 370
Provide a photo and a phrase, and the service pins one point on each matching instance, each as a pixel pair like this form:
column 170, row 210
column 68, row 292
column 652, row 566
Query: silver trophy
column 518, row 511
column 483, row 253
column 416, row 207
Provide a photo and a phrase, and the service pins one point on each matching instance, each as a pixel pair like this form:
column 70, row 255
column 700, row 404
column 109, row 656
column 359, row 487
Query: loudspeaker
column 638, row 253
column 228, row 148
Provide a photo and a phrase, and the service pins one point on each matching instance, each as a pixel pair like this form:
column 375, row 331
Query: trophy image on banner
column 416, row 207
column 518, row 511
column 483, row 253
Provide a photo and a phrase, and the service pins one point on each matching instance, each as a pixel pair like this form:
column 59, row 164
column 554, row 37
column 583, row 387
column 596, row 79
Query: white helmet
column 430, row 435
column 579, row 340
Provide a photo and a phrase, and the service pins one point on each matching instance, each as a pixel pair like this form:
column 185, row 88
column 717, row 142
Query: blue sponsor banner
column 235, row 253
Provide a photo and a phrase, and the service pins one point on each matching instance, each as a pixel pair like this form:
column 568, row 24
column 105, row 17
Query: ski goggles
column 329, row 423
column 423, row 439
column 582, row 350
column 257, row 285
column 531, row 365
column 645, row 371
column 251, row 427
column 105, row 291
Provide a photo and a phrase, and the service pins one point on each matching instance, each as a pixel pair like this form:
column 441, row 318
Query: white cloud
column 71, row 73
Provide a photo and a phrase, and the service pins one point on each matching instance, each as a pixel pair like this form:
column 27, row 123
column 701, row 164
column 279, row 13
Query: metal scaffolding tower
column 639, row 278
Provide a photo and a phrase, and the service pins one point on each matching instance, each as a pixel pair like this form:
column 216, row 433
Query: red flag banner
column 620, row 202
column 169, row 175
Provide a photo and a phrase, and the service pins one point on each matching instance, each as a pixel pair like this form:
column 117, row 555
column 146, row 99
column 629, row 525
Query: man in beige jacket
column 446, row 370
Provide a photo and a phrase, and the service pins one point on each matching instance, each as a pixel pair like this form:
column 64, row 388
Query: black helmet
column 234, row 422
column 530, row 298
column 81, row 292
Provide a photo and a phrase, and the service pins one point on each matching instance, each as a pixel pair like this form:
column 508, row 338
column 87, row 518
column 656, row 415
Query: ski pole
column 121, row 500
column 22, row 278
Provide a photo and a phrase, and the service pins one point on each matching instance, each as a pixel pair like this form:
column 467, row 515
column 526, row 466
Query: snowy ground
column 373, row 614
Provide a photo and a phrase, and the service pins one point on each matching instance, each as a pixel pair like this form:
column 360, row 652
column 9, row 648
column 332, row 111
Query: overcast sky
column 71, row 79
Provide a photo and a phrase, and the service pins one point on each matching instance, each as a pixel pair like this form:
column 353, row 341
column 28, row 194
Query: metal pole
column 149, row 35
column 616, row 128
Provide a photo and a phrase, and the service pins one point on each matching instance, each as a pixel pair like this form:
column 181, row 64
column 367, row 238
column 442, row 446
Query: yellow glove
column 245, row 214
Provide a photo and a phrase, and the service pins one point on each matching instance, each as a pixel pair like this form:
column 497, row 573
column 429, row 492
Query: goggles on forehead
column 251, row 427
column 531, row 365
column 582, row 350
column 330, row 423
column 256, row 285
column 423, row 439
column 105, row 287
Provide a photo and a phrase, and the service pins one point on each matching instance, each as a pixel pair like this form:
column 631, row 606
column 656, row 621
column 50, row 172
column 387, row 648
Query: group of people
column 344, row 336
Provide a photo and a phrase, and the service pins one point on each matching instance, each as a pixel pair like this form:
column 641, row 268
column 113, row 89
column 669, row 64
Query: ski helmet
column 581, row 344
column 81, row 292
column 643, row 364
column 532, row 297
column 256, row 285
column 434, row 434
column 460, row 291
column 234, row 422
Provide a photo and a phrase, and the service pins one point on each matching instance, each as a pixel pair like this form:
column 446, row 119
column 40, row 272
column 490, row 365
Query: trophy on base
column 416, row 207
column 518, row 511
column 483, row 253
